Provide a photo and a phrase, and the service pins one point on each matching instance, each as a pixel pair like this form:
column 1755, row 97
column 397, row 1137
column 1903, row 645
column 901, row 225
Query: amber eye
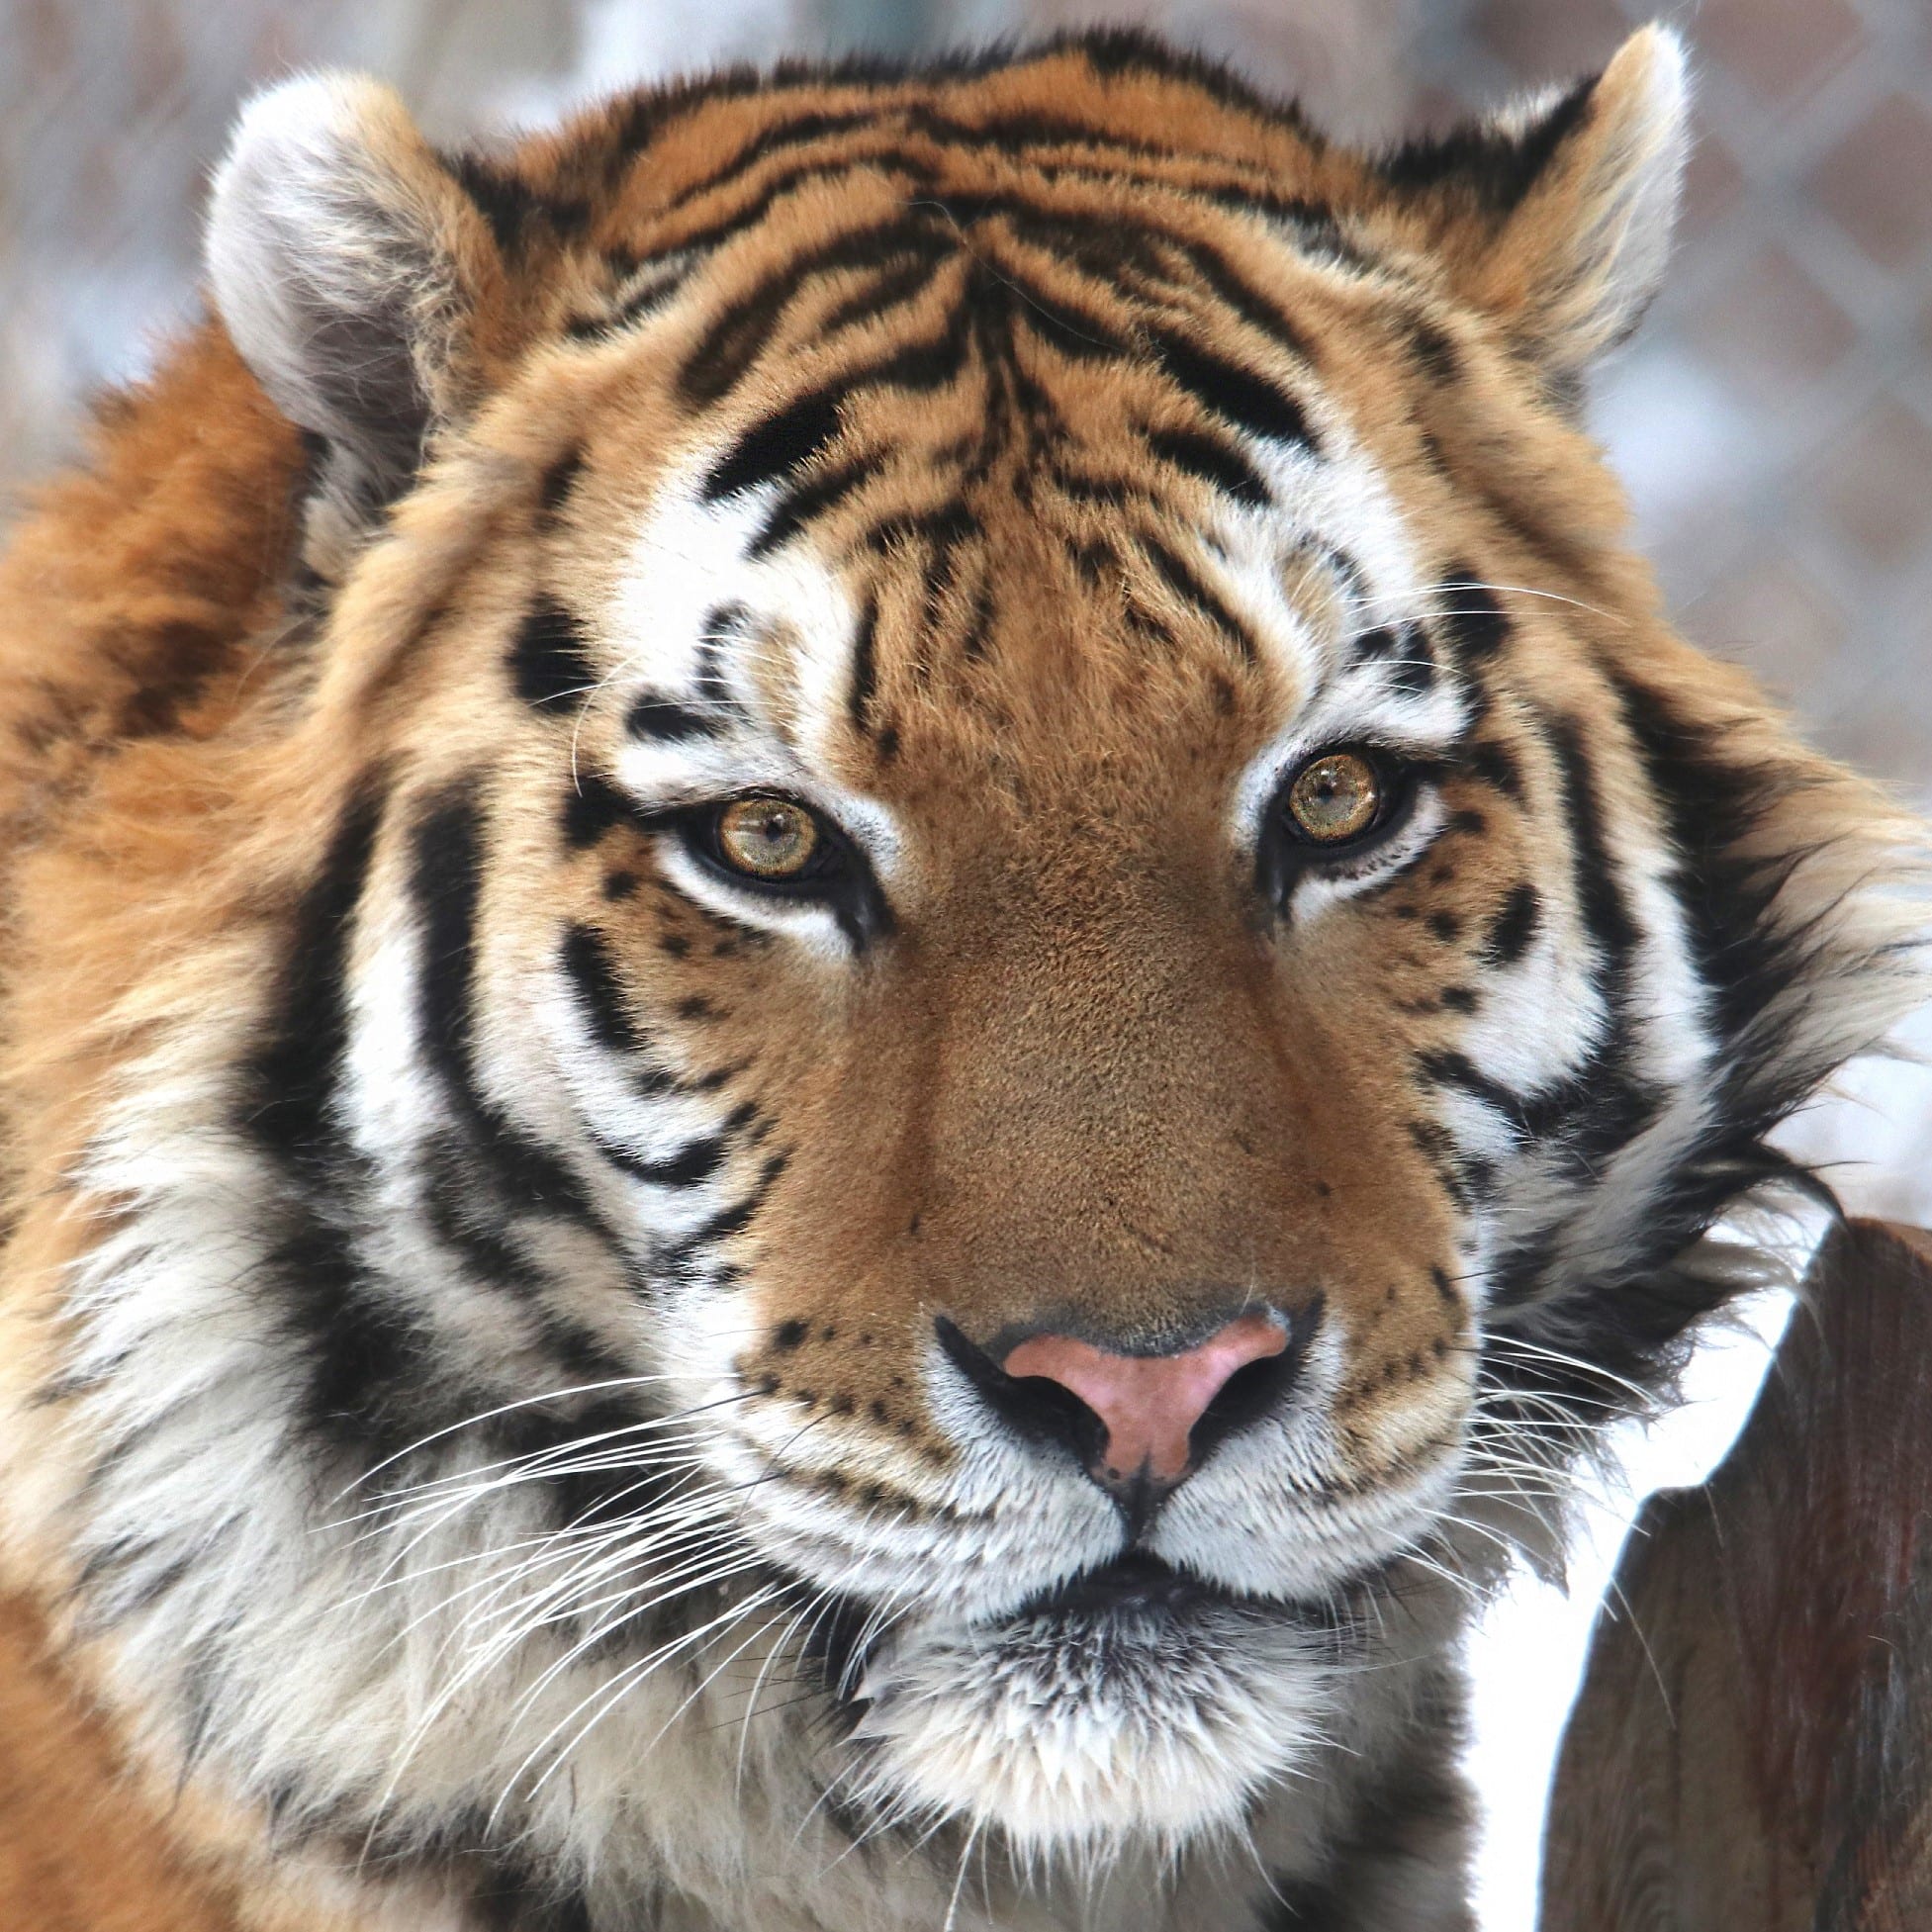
column 1335, row 797
column 767, row 838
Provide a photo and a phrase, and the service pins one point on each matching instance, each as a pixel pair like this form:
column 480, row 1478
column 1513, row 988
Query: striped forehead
column 742, row 661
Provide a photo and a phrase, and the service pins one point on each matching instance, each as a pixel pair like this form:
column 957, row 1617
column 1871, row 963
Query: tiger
column 871, row 965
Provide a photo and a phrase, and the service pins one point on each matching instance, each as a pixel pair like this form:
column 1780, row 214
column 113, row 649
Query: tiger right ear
column 1556, row 217
column 348, row 264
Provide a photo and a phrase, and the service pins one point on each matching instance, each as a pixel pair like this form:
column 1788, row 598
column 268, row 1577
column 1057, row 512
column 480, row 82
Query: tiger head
column 999, row 958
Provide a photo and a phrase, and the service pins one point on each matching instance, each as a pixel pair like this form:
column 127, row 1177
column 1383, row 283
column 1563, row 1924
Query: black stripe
column 1074, row 334
column 679, row 1257
column 1234, row 392
column 550, row 662
column 1606, row 912
column 509, row 206
column 689, row 1167
column 599, row 997
column 446, row 881
column 1515, row 926
column 1220, row 274
column 1406, row 650
column 940, row 526
column 744, row 328
column 558, row 481
column 1495, row 764
column 1476, row 623
column 892, row 288
column 777, row 445
column 291, row 1079
column 1216, row 462
column 1498, row 166
column 865, row 666
column 1184, row 582
column 1710, row 808
column 1452, row 1069
column 798, row 132
column 666, row 721
column 911, row 173
column 819, row 493
column 361, row 1358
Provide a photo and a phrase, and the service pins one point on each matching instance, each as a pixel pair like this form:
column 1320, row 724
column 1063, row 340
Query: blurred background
column 1774, row 423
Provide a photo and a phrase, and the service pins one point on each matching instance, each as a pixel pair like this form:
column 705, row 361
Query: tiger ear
column 348, row 265
column 1556, row 217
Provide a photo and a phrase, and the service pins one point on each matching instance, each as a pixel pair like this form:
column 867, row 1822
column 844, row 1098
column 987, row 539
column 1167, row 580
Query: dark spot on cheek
column 620, row 885
column 1496, row 765
column 887, row 744
column 592, row 807
column 696, row 1007
column 1444, row 925
column 550, row 662
column 675, row 944
column 829, row 1332
column 1406, row 911
column 1323, row 1190
column 559, row 480
column 878, row 1411
column 788, row 1335
column 1459, row 999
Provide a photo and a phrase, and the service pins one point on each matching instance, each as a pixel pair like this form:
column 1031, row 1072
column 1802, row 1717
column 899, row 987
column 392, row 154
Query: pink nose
column 1148, row 1404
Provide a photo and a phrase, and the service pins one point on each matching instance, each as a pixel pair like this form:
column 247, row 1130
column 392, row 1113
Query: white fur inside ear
column 324, row 260
column 1622, row 203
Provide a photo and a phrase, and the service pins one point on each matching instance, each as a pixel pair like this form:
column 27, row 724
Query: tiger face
column 1000, row 963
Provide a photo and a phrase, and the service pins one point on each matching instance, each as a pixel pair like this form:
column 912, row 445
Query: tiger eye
column 1335, row 797
column 767, row 838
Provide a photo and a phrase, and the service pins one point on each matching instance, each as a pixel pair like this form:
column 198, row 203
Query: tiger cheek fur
column 871, row 965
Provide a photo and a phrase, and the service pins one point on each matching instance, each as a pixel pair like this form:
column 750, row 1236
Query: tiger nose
column 1133, row 1417
column 1149, row 1406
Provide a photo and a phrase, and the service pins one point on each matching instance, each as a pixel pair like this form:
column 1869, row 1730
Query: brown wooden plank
column 1752, row 1747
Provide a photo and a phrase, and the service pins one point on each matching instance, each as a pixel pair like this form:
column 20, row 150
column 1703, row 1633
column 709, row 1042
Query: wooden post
column 1752, row 1747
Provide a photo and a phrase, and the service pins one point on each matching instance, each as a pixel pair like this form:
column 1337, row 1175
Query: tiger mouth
column 1134, row 1585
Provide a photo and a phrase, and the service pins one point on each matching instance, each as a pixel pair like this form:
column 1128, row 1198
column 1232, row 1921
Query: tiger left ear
column 1557, row 217
column 349, row 266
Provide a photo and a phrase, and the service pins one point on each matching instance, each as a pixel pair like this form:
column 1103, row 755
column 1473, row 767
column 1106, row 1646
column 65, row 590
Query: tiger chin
column 869, row 962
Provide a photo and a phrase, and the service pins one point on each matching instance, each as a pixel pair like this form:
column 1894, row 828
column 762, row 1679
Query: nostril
column 1256, row 1390
column 1031, row 1406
